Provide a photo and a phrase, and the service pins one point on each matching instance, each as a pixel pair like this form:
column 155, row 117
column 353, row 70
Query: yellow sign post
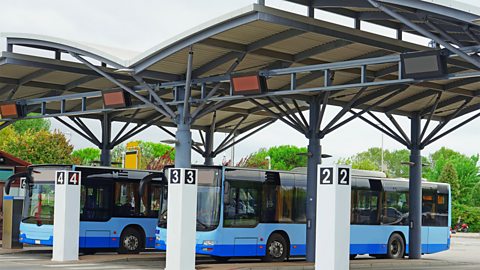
column 132, row 156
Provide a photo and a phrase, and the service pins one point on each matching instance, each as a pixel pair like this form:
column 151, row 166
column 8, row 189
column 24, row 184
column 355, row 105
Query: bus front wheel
column 277, row 248
column 396, row 247
column 130, row 242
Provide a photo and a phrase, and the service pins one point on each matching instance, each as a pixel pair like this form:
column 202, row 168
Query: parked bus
column 118, row 207
column 256, row 213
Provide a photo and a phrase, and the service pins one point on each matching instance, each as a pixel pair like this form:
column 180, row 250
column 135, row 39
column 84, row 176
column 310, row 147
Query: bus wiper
column 203, row 224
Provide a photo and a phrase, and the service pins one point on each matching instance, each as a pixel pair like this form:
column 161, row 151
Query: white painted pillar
column 66, row 220
column 332, row 250
column 181, row 219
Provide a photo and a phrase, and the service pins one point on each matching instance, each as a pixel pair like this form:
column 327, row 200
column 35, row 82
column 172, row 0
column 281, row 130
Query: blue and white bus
column 118, row 207
column 257, row 213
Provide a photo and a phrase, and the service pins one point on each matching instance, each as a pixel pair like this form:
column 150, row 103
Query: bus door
column 96, row 210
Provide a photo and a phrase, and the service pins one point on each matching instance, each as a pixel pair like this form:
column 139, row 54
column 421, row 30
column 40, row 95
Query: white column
column 181, row 219
column 66, row 221
column 332, row 249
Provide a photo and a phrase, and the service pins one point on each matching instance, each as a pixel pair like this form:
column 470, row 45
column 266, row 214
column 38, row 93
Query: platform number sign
column 74, row 178
column 190, row 177
column 326, row 176
column 23, row 182
column 60, row 177
column 175, row 176
column 344, row 176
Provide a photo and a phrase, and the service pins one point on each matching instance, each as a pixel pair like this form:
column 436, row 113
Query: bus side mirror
column 226, row 192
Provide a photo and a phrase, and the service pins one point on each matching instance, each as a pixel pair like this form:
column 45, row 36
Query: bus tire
column 221, row 259
column 131, row 241
column 353, row 256
column 276, row 249
column 395, row 247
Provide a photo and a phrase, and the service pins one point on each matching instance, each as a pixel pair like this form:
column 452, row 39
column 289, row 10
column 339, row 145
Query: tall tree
column 371, row 159
column 284, row 157
column 449, row 175
column 86, row 156
column 38, row 147
column 35, row 125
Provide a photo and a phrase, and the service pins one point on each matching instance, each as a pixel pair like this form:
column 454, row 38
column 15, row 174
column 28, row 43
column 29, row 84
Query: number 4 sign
column 60, row 177
column 74, row 178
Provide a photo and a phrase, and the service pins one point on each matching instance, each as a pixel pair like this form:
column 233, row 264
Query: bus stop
column 252, row 67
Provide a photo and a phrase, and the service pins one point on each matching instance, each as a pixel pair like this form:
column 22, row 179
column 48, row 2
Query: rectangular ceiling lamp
column 248, row 84
column 424, row 65
column 10, row 110
column 113, row 99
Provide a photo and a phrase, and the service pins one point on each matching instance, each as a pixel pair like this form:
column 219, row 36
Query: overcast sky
column 141, row 24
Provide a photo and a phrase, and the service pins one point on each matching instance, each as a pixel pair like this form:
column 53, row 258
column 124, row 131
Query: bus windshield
column 208, row 201
column 41, row 201
column 40, row 198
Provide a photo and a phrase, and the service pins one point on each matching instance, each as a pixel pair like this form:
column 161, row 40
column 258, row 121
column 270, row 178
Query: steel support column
column 415, row 196
column 183, row 145
column 105, row 157
column 209, row 134
column 314, row 158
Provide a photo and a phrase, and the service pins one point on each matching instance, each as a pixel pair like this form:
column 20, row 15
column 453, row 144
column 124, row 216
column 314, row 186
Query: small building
column 9, row 165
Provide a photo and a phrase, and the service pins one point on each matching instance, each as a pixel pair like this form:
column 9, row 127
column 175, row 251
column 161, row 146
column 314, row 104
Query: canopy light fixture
column 252, row 84
column 10, row 110
column 118, row 98
column 424, row 65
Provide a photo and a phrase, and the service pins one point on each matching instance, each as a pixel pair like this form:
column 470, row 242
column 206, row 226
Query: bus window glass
column 395, row 208
column 300, row 205
column 442, row 210
column 365, row 209
column 241, row 210
column 94, row 203
column 428, row 207
column 286, row 204
column 126, row 199
column 42, row 200
column 155, row 197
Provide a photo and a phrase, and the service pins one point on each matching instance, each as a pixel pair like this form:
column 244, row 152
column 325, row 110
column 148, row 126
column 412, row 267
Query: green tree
column 371, row 159
column 449, row 175
column 39, row 147
column 149, row 151
column 284, row 157
column 35, row 125
column 466, row 168
column 86, row 156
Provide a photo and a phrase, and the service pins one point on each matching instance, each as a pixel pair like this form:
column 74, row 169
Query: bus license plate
column 37, row 242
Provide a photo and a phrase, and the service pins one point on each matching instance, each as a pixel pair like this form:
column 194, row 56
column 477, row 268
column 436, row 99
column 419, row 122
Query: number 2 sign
column 344, row 176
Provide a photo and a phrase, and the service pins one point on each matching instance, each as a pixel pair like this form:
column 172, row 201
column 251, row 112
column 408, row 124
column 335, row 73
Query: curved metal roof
column 258, row 38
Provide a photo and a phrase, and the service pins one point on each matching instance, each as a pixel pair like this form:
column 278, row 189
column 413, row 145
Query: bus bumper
column 25, row 240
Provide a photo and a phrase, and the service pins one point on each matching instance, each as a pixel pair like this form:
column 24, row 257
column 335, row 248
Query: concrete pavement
column 464, row 254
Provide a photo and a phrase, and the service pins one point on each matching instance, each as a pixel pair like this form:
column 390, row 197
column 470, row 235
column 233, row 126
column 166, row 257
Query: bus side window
column 428, row 207
column 365, row 209
column 442, row 210
column 242, row 210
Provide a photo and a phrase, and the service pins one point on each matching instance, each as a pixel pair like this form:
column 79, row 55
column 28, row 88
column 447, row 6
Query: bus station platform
column 462, row 255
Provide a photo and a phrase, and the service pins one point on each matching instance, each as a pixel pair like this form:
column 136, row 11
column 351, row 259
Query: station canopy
column 255, row 39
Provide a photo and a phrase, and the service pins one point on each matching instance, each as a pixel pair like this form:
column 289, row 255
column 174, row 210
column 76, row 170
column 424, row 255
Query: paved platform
column 464, row 254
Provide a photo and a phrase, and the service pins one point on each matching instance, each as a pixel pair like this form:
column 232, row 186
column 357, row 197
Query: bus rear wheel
column 396, row 247
column 277, row 248
column 130, row 242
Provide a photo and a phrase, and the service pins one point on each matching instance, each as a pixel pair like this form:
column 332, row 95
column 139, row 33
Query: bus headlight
column 208, row 242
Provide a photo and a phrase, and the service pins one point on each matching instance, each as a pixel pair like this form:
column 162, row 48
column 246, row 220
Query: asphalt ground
column 464, row 254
